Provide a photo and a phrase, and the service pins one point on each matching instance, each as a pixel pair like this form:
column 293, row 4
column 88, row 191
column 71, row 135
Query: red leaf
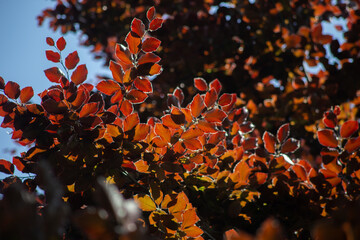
column 249, row 143
column 149, row 58
column 61, row 43
column 26, row 94
column 50, row 41
column 52, row 56
column 177, row 116
column 54, row 107
column 126, row 107
column 155, row 24
column 349, row 128
column 12, row 90
column 269, row 142
column 330, row 119
column 136, row 96
column 206, row 126
column 352, row 144
column 72, row 60
column 163, row 132
column 143, row 84
column 6, row 167
column 300, row 171
column 197, row 105
column 215, row 115
column 291, row 145
column 88, row 109
column 116, row 71
column 216, row 85
column 79, row 75
column 117, row 97
column 150, row 14
column 193, row 144
column 138, row 27
column 18, row 164
column 225, row 99
column 200, row 84
column 124, row 56
column 210, row 98
column 133, row 42
column 141, row 131
column 108, row 87
column 53, row 74
column 131, row 121
column 179, row 94
column 150, row 44
column 283, row 132
column 2, row 83
column 327, row 138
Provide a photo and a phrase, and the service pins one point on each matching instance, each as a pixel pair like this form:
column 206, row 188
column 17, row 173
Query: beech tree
column 199, row 165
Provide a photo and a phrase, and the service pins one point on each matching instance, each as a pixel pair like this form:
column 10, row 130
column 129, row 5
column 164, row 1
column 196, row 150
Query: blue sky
column 22, row 58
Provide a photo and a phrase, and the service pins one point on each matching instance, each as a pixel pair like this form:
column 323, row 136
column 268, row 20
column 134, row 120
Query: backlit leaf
column 136, row 96
column 12, row 90
column 150, row 44
column 197, row 105
column 291, row 145
column 179, row 94
column 177, row 116
column 52, row 56
column 138, row 27
column 145, row 202
column 155, row 69
column 79, row 75
column 249, row 143
column 215, row 84
column 150, row 14
column 327, row 138
column 189, row 218
column 193, row 144
column 26, row 94
column 131, row 121
column 72, row 60
column 269, row 142
column 155, row 24
column 200, row 84
column 53, row 74
column 163, row 132
column 108, row 87
column 206, row 126
column 126, row 107
column 148, row 58
column 18, row 163
column 143, row 84
column 61, row 43
column 283, row 132
column 116, row 71
column 349, row 128
column 88, row 109
column 210, row 97
column 6, row 167
column 215, row 115
column 141, row 131
column 352, row 144
column 225, row 99
column 133, row 42
column 123, row 56
column 192, row 133
column 2, row 83
column 193, row 231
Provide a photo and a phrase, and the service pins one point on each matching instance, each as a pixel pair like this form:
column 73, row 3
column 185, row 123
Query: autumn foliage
column 199, row 170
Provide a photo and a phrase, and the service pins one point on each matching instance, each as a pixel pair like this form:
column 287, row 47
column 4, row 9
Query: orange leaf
column 88, row 109
column 131, row 121
column 177, row 116
column 197, row 105
column 116, row 71
column 26, row 94
column 133, row 42
column 206, row 127
column 327, row 138
column 193, row 231
column 349, row 128
column 138, row 27
column 108, row 87
column 169, row 122
column 210, row 98
column 52, row 56
column 18, row 163
column 143, row 84
column 200, row 84
column 192, row 133
column 189, row 218
column 141, row 166
column 79, row 75
column 193, row 144
column 53, row 74
column 12, row 90
column 141, row 131
column 6, row 167
column 61, row 43
column 72, row 60
column 163, row 132
column 155, row 69
column 126, row 107
column 148, row 58
column 136, row 96
column 352, row 144
column 269, row 142
column 145, row 202
column 215, row 115
column 124, row 56
column 150, row 44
